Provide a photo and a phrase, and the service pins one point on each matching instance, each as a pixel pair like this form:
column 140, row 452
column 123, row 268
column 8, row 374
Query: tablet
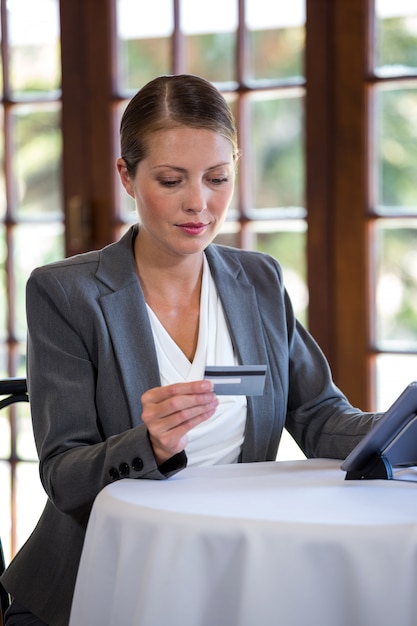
column 393, row 438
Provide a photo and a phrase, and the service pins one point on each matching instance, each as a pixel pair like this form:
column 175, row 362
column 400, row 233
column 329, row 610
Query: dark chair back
column 11, row 390
column 14, row 390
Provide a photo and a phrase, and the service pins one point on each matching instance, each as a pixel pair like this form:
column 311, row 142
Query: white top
column 219, row 439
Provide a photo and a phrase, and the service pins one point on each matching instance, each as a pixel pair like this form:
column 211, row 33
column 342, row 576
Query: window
column 31, row 225
column 326, row 182
column 266, row 89
column 394, row 225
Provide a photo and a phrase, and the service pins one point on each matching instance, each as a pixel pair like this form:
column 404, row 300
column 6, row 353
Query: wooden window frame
column 337, row 163
column 338, row 171
column 340, row 214
column 88, row 107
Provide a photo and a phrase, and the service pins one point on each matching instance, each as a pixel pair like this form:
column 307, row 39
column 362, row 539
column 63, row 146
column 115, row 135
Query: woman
column 118, row 340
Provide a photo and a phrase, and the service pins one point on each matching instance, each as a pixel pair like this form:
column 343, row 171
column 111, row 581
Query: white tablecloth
column 289, row 544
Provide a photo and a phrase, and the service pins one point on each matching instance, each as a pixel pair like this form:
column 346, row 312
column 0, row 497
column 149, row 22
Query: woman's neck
column 166, row 276
column 172, row 290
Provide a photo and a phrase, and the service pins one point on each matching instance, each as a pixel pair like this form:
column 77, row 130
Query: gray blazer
column 91, row 356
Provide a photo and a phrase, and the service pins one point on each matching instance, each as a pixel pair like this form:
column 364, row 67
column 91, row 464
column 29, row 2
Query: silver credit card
column 238, row 380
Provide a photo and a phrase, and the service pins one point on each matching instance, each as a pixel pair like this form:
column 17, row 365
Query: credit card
column 237, row 380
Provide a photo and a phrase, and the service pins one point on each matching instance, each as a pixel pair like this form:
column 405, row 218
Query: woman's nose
column 195, row 200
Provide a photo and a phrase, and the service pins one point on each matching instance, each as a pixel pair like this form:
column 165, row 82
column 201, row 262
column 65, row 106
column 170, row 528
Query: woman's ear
column 124, row 176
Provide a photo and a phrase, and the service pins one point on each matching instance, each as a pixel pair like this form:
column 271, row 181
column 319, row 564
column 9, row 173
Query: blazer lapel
column 134, row 349
column 124, row 307
column 240, row 305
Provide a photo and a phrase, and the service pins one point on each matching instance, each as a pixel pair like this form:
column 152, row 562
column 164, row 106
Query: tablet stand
column 378, row 467
column 400, row 453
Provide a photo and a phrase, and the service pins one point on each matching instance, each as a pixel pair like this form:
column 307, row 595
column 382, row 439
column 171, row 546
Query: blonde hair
column 169, row 102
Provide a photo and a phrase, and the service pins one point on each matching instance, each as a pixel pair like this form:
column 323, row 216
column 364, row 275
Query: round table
column 286, row 543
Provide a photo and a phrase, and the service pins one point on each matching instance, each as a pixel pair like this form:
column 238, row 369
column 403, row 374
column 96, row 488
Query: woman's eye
column 169, row 182
column 219, row 181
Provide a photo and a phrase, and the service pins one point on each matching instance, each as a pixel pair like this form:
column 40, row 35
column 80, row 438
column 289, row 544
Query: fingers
column 170, row 412
column 158, row 394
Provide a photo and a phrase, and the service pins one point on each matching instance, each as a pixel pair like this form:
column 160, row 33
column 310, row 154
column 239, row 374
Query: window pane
column 3, row 362
column 37, row 158
column 25, row 440
column 35, row 244
column 3, row 285
column 288, row 246
column 20, row 357
column 396, row 284
column 4, row 435
column 276, row 38
column 31, row 499
column 393, row 373
column 5, row 513
column 1, row 59
column 396, row 37
column 144, row 38
column 396, row 139
column 288, row 450
column 229, row 234
column 277, row 151
column 34, row 46
column 126, row 204
column 2, row 181
column 210, row 41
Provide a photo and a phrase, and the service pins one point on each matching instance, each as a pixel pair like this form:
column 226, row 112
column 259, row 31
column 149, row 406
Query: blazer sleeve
column 320, row 417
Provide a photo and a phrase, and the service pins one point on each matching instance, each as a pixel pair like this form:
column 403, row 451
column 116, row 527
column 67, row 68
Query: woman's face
column 182, row 189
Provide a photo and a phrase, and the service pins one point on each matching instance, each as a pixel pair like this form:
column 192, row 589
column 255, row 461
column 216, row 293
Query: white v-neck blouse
column 219, row 439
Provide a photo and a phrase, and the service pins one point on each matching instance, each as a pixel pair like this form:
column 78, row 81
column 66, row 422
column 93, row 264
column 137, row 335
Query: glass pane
column 37, row 159
column 396, row 284
column 393, row 373
column 5, row 449
column 144, row 38
column 20, row 357
column 34, row 36
column 210, row 41
column 3, row 284
column 277, row 161
column 3, row 361
column 396, row 37
column 5, row 513
column 31, row 499
column 127, row 205
column 276, row 38
column 288, row 246
column 35, row 245
column 229, row 235
column 396, row 141
column 2, row 181
column 288, row 450
column 25, row 440
column 1, row 62
column 232, row 101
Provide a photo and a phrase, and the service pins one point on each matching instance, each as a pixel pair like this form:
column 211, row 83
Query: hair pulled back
column 169, row 102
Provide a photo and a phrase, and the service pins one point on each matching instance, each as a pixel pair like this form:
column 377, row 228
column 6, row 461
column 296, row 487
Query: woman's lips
column 193, row 229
